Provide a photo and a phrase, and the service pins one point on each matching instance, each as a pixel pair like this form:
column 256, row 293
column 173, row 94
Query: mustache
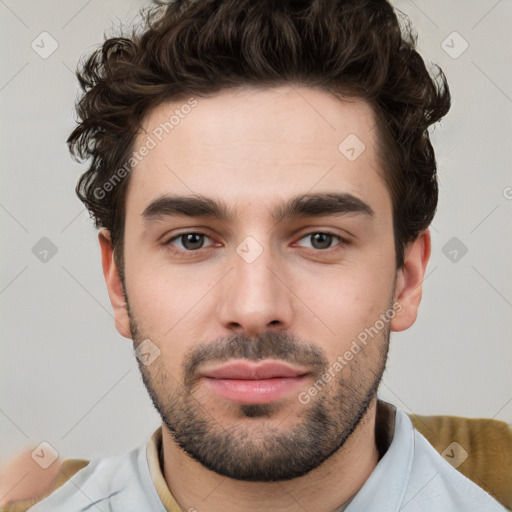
column 274, row 345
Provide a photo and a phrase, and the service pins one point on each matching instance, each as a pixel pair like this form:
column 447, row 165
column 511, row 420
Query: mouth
column 254, row 383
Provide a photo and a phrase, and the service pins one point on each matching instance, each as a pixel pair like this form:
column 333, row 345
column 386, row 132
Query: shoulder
column 479, row 448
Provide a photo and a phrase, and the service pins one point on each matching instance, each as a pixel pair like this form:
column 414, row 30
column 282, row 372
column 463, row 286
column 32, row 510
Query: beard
column 254, row 448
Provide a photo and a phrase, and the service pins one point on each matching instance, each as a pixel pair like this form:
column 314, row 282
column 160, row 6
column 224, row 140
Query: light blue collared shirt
column 413, row 477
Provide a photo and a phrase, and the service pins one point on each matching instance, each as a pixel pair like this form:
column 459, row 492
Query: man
column 263, row 181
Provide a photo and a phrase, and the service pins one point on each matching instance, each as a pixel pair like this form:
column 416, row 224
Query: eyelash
column 168, row 243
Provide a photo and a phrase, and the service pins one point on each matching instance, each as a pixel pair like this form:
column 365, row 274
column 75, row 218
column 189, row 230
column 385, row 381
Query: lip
column 250, row 383
column 246, row 370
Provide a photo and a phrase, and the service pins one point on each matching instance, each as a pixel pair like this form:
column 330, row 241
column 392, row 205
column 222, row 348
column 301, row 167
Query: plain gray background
column 67, row 376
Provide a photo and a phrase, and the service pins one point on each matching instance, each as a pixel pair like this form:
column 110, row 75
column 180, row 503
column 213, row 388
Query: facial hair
column 264, row 452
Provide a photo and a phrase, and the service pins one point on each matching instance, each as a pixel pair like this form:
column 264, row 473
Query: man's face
column 256, row 287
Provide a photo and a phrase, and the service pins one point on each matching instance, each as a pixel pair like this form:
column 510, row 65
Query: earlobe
column 409, row 283
column 114, row 285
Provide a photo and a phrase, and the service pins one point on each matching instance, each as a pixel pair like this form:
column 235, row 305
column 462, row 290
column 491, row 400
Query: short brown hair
column 200, row 47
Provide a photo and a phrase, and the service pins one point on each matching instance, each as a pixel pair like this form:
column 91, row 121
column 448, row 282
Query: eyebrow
column 305, row 205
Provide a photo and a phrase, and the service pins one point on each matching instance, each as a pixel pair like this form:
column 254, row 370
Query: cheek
column 354, row 289
column 171, row 305
column 345, row 302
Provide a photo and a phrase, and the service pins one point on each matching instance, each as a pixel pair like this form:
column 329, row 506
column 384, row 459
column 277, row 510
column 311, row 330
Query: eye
column 189, row 242
column 193, row 241
column 322, row 240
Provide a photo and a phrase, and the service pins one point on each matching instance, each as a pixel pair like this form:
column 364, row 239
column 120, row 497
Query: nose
column 254, row 296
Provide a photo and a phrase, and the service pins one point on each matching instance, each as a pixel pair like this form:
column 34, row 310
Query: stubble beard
column 254, row 448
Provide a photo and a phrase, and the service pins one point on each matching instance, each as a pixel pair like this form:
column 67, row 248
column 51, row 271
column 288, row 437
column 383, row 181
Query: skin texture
column 22, row 478
column 254, row 149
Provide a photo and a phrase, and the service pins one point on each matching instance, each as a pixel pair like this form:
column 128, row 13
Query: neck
column 324, row 489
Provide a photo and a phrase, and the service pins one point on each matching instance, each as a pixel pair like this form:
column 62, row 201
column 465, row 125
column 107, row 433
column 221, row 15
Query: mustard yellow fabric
column 488, row 444
column 155, row 464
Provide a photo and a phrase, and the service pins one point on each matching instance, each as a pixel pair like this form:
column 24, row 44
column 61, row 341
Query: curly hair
column 184, row 48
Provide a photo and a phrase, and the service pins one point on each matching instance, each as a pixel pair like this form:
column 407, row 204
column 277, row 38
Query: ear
column 409, row 283
column 114, row 285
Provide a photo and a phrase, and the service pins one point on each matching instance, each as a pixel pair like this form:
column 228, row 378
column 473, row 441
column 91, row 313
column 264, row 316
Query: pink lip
column 253, row 371
column 247, row 382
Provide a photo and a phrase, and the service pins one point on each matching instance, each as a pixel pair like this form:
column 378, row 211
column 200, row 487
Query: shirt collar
column 386, row 486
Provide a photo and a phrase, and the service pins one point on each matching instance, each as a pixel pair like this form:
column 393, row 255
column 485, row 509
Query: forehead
column 249, row 144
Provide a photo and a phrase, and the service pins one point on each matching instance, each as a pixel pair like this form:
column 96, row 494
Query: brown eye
column 188, row 241
column 321, row 240
column 192, row 241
